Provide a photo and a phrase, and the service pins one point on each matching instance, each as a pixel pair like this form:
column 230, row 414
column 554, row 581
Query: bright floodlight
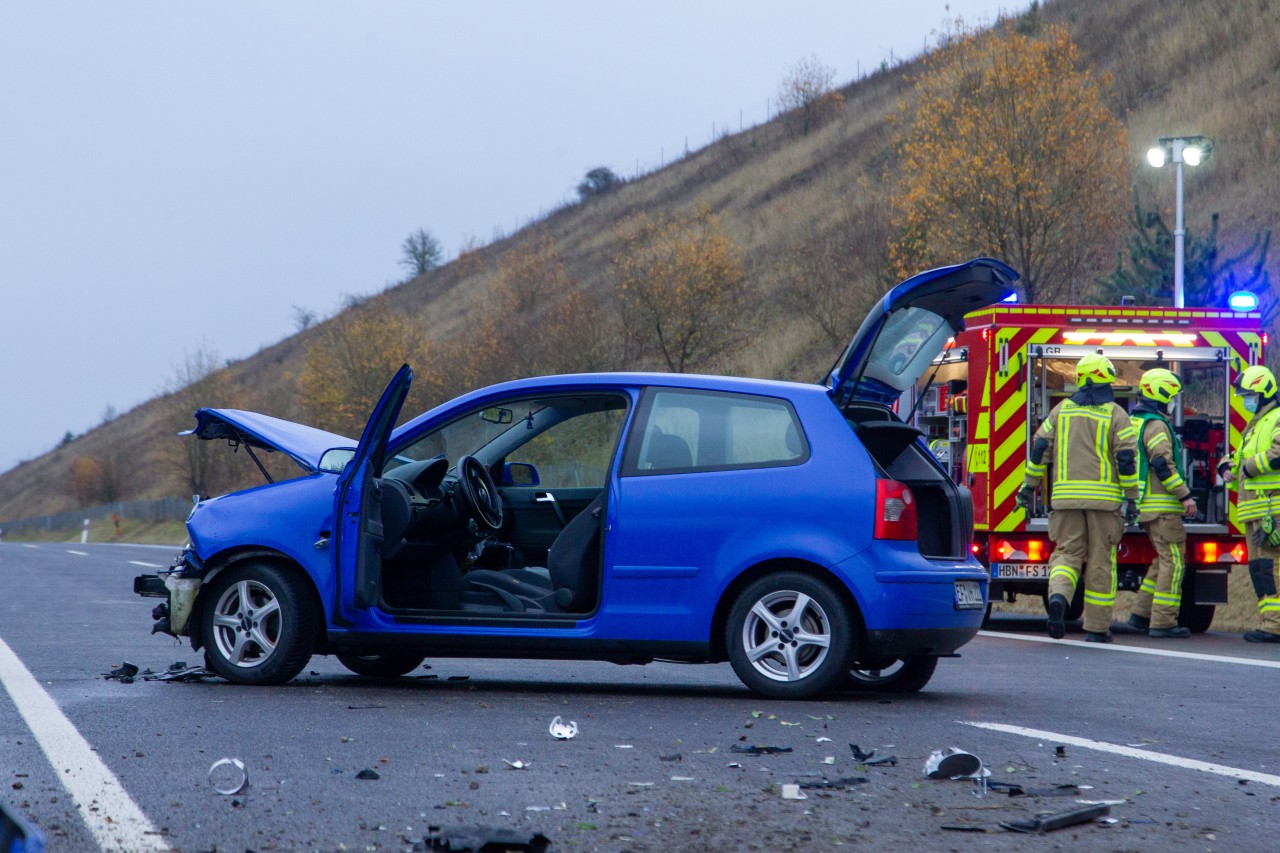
column 1155, row 157
column 1242, row 300
column 1191, row 155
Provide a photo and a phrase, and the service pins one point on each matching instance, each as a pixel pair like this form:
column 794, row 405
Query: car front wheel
column 788, row 637
column 899, row 675
column 259, row 625
column 381, row 666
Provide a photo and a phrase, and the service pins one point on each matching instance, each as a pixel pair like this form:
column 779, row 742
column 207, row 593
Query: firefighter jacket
column 1160, row 476
column 1092, row 446
column 1256, row 466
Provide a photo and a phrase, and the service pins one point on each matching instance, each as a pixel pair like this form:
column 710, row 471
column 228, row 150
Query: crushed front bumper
column 179, row 585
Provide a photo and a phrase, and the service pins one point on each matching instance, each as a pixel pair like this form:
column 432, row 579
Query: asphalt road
column 1186, row 739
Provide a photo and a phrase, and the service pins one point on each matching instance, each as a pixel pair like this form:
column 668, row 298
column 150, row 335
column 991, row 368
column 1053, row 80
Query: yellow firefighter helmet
column 1160, row 385
column 1257, row 380
column 1095, row 368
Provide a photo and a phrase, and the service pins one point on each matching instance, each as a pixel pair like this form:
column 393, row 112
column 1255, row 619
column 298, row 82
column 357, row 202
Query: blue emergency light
column 1012, row 297
column 1242, row 300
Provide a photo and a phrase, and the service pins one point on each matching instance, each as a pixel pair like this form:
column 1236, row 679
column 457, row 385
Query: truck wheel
column 901, row 675
column 258, row 626
column 788, row 636
column 1195, row 617
column 382, row 666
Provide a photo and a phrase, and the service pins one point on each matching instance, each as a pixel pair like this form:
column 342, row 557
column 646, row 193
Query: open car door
column 357, row 512
column 910, row 327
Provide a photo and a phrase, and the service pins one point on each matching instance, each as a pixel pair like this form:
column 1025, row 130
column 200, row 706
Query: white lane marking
column 1137, row 650
column 115, row 819
column 146, row 565
column 1130, row 752
column 25, row 545
column 80, row 553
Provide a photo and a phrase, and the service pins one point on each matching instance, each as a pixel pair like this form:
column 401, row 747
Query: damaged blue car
column 802, row 532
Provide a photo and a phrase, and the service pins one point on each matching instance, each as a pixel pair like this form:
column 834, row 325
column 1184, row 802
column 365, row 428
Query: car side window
column 574, row 453
column 684, row 431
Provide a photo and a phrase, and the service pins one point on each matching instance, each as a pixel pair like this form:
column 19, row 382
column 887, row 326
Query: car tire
column 259, row 625
column 382, row 666
column 901, row 675
column 773, row 659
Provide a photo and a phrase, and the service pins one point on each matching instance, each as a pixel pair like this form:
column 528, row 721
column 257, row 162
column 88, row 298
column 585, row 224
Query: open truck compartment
column 1000, row 377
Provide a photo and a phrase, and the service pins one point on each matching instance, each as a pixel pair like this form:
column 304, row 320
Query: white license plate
column 1032, row 571
column 969, row 595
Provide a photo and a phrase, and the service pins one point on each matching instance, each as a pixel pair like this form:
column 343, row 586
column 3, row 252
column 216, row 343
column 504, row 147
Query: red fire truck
column 999, row 378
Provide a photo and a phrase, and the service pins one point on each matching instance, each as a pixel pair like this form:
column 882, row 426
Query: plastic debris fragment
column 368, row 773
column 952, row 763
column 454, row 838
column 823, row 740
column 518, row 764
column 793, row 792
column 840, row 784
column 830, row 759
column 228, row 777
column 1049, row 823
column 123, row 673
column 858, row 754
column 563, row 731
column 760, row 750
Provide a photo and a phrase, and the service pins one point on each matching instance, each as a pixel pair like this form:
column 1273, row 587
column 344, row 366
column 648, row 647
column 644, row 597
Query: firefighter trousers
column 1160, row 595
column 1264, row 571
column 1085, row 540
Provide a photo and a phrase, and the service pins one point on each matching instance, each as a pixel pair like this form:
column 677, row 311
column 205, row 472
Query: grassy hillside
column 1176, row 67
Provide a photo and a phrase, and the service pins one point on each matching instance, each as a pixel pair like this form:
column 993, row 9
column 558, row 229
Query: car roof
column 602, row 381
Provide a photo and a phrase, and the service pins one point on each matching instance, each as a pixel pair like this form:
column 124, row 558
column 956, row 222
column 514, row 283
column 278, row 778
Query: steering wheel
column 483, row 503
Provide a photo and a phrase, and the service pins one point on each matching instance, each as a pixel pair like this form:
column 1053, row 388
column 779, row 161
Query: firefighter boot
column 1262, row 573
column 1057, row 611
column 1097, row 636
column 1140, row 623
column 1177, row 632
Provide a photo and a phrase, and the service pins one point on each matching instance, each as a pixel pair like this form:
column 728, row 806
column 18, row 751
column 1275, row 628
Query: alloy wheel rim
column 786, row 636
column 247, row 623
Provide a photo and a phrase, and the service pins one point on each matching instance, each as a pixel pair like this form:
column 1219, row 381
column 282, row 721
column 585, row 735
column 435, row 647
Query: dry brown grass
column 1177, row 67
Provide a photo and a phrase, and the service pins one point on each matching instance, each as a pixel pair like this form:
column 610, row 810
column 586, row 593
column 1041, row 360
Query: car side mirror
column 497, row 415
column 335, row 459
column 520, row 474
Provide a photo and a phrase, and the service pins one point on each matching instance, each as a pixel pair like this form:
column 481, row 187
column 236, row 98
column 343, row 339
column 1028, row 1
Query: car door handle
column 543, row 497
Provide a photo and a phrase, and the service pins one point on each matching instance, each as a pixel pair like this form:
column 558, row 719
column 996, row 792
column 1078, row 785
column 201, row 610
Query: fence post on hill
column 84, row 532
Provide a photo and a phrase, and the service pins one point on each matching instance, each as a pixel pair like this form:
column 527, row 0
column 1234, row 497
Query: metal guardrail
column 165, row 509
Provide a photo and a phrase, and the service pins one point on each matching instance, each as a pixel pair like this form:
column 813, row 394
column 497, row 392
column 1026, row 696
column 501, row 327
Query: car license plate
column 1031, row 571
column 969, row 595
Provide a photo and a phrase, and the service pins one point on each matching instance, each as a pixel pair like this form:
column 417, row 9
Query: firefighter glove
column 1267, row 533
column 1026, row 498
column 1130, row 512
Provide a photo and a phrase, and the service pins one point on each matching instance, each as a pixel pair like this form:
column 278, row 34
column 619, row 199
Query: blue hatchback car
column 804, row 533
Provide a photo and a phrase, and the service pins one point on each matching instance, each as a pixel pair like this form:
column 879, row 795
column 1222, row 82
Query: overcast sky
column 179, row 174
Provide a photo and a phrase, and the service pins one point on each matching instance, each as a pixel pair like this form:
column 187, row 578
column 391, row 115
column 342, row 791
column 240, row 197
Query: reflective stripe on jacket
column 1156, row 439
column 1082, row 443
column 1255, row 466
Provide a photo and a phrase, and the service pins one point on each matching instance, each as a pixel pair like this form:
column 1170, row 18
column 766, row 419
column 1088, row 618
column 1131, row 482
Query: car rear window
column 684, row 431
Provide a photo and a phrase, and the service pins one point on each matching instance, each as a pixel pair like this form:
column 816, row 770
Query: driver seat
column 572, row 572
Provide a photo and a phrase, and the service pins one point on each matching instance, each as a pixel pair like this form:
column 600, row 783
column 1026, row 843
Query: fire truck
column 1000, row 376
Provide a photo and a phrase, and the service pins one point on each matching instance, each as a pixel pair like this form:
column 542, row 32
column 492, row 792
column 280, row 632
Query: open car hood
column 910, row 327
column 303, row 444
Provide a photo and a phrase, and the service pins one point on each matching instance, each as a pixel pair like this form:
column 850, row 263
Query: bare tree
column 806, row 93
column 421, row 252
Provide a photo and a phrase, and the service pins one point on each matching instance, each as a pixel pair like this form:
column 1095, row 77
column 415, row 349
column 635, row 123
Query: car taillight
column 1240, row 554
column 895, row 511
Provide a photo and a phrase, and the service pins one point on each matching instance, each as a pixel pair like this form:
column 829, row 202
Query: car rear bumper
column 907, row 642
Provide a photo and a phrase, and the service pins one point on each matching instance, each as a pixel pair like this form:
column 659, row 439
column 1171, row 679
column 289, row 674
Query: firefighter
column 1165, row 499
column 1092, row 446
column 1254, row 472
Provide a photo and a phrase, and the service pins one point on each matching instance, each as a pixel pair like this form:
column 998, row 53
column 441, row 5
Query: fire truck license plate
column 1032, row 571
column 969, row 595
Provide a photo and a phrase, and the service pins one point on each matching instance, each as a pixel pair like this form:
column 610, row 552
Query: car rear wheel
column 788, row 636
column 259, row 625
column 382, row 666
column 899, row 675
